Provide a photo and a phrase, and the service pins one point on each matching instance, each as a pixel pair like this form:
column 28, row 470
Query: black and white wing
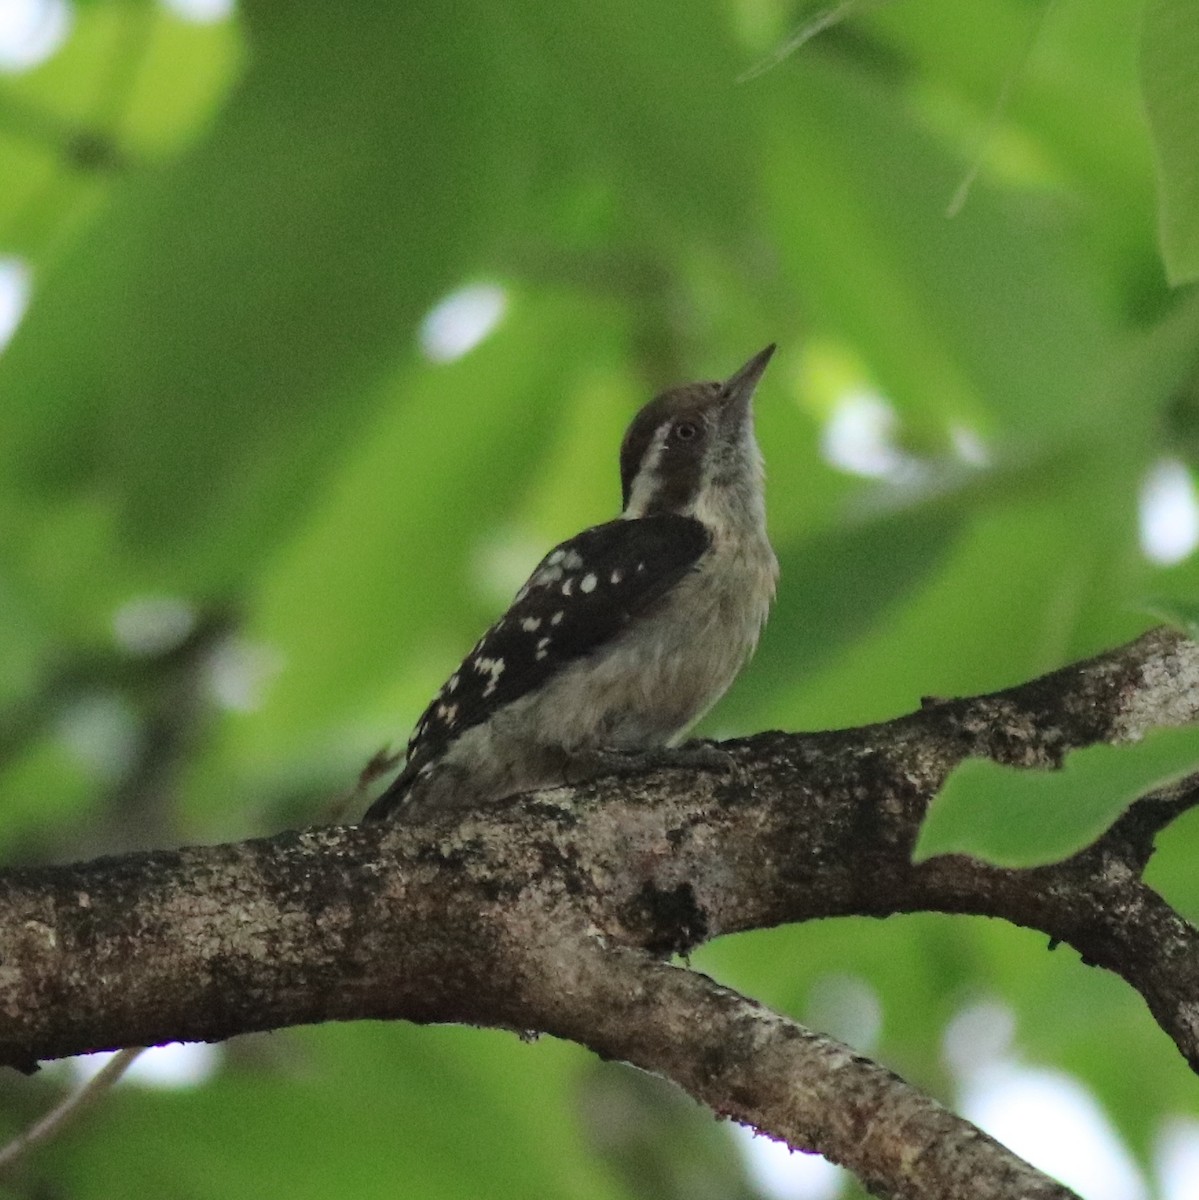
column 583, row 593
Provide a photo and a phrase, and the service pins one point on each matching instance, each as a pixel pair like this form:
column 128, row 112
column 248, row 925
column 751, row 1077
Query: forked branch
column 552, row 911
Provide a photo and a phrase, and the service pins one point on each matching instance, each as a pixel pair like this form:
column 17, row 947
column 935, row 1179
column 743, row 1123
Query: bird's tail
column 391, row 799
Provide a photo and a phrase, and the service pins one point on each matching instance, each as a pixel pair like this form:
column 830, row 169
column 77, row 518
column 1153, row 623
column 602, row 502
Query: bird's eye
column 684, row 431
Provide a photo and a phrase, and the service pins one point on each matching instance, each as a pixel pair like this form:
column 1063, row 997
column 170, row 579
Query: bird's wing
column 581, row 595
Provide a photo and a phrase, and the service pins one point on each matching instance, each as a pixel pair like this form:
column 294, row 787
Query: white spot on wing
column 587, row 583
column 530, row 624
column 556, row 619
column 568, row 586
column 616, row 577
column 494, row 667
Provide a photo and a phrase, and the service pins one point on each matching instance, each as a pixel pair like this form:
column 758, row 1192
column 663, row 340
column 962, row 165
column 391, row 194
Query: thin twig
column 824, row 19
column 998, row 112
column 67, row 1110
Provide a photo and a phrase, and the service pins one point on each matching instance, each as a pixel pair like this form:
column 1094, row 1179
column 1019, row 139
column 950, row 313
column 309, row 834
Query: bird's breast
column 658, row 677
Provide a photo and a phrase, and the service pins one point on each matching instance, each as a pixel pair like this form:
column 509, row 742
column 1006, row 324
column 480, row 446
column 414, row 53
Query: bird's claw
column 697, row 755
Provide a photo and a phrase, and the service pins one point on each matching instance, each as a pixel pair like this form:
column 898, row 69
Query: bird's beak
column 738, row 389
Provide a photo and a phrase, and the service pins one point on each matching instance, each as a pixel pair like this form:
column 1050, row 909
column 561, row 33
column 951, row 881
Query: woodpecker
column 625, row 635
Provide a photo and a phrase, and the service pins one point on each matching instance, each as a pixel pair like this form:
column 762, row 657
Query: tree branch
column 764, row 1070
column 535, row 914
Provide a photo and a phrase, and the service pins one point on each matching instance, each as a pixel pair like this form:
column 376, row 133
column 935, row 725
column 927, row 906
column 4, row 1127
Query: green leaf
column 1169, row 52
column 208, row 349
column 670, row 127
column 980, row 321
column 1015, row 817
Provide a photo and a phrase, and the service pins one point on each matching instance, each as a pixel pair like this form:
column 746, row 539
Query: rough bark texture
column 551, row 912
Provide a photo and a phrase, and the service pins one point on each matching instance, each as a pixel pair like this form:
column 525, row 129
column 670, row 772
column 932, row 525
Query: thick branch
column 759, row 1068
column 327, row 925
column 485, row 919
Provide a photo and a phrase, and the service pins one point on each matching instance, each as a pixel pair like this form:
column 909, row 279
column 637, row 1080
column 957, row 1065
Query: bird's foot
column 697, row 755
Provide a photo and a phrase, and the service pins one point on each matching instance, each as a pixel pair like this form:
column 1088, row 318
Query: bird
column 624, row 635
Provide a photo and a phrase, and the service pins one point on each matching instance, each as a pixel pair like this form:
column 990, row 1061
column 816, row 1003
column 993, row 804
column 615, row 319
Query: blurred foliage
column 247, row 522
